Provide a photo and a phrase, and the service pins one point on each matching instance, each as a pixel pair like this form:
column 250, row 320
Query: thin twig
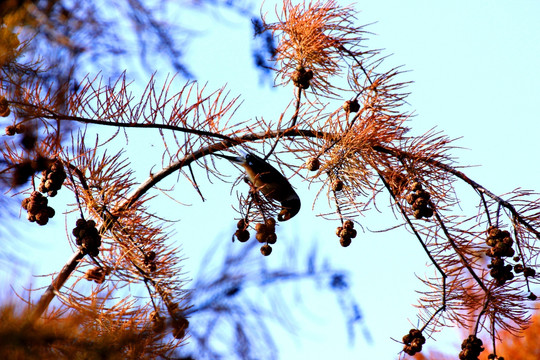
column 464, row 260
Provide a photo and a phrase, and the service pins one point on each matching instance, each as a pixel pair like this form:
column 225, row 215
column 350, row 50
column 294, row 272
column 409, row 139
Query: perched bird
column 274, row 186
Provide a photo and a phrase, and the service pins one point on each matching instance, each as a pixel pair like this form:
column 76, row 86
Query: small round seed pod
column 337, row 185
column 260, row 228
column 42, row 218
column 345, row 241
column 493, row 232
column 407, row 338
column 509, row 252
column 158, row 322
column 423, row 194
column 179, row 328
column 266, row 250
column 261, row 237
column 20, row 128
column 242, row 235
column 270, row 222
column 24, row 203
column 529, row 272
column 347, row 233
column 270, row 225
column 351, row 106
column 428, row 212
column 50, row 211
column 150, row 256
column 302, row 77
column 411, row 198
column 242, row 224
column 10, row 130
column 271, row 238
column 313, row 164
column 420, row 203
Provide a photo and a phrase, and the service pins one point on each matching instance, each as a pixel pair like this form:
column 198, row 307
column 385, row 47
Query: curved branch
column 229, row 142
column 138, row 125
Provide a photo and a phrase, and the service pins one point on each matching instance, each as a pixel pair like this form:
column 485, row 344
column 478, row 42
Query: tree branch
column 56, row 285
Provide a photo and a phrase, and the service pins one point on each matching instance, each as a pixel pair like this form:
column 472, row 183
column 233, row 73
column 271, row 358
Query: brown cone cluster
column 500, row 247
column 301, row 77
column 471, row 348
column 499, row 271
column 346, row 233
column 527, row 271
column 87, row 237
column 180, row 325
column 37, row 208
column 15, row 129
column 150, row 261
column 52, row 178
column 96, row 274
column 500, row 243
column 419, row 200
column 242, row 234
column 266, row 233
column 413, row 342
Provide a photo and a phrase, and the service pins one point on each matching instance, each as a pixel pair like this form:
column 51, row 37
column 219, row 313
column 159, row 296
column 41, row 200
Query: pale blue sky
column 475, row 67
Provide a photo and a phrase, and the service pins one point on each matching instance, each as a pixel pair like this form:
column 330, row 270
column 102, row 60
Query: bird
column 265, row 178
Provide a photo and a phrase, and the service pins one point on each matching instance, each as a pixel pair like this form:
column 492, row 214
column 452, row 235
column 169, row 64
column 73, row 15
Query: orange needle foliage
column 348, row 136
column 525, row 346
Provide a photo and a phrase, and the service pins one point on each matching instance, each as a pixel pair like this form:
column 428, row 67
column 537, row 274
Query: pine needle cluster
column 347, row 135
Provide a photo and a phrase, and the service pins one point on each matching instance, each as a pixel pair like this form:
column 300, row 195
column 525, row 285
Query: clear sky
column 475, row 67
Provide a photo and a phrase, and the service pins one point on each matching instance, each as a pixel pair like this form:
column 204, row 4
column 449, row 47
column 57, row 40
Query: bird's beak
column 235, row 159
